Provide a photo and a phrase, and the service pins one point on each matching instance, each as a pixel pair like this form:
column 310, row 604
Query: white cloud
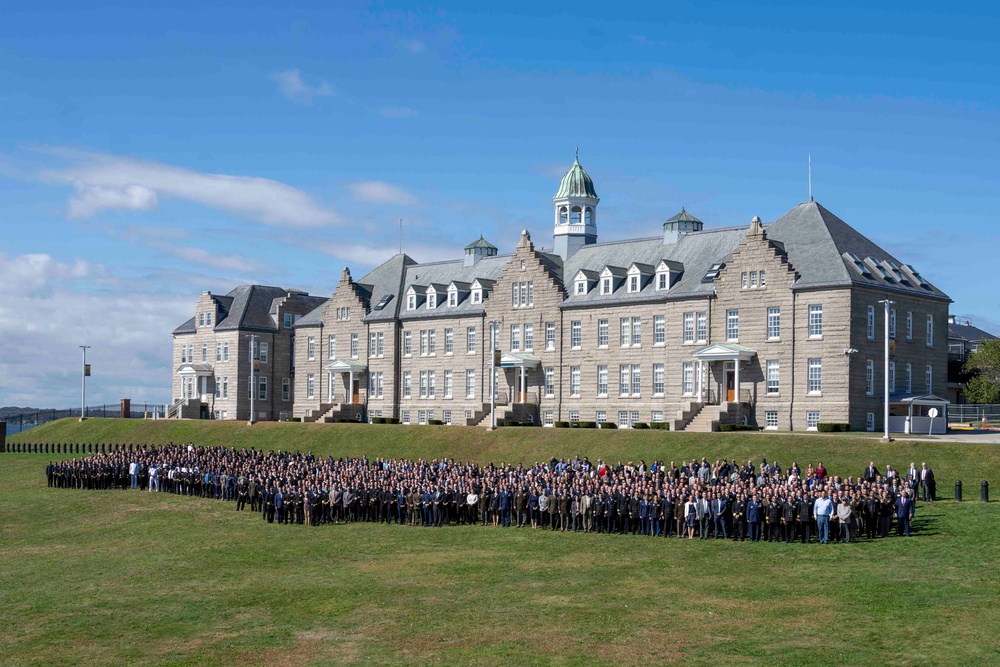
column 397, row 112
column 414, row 46
column 292, row 86
column 357, row 254
column 107, row 182
column 378, row 192
column 51, row 307
column 204, row 258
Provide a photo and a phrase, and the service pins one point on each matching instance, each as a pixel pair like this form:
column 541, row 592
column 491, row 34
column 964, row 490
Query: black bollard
column 986, row 491
column 958, row 490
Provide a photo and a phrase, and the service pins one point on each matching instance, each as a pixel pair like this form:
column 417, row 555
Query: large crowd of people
column 697, row 499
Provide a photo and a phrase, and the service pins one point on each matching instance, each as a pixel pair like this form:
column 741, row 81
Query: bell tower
column 575, row 205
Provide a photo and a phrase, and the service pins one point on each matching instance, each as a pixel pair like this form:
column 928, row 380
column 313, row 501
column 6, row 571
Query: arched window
column 562, row 215
column 588, row 215
column 575, row 215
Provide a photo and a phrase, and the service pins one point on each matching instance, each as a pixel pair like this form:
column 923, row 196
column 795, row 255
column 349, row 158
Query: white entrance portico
column 731, row 356
column 355, row 371
column 523, row 362
column 194, row 380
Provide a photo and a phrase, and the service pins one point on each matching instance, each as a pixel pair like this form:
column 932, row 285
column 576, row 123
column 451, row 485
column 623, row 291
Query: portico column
column 524, row 385
column 737, row 382
column 701, row 395
column 350, row 389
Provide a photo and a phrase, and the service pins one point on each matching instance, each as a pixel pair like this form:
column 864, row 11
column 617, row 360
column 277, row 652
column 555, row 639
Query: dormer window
column 581, row 286
column 432, row 300
column 605, row 285
column 452, row 298
column 477, row 296
column 633, row 283
column 662, row 280
column 411, row 302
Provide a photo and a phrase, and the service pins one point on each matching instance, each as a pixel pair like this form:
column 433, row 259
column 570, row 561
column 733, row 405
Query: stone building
column 777, row 325
column 212, row 354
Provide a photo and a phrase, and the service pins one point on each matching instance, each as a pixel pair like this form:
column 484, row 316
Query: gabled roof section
column 441, row 274
column 817, row 242
column 387, row 278
column 969, row 333
column 187, row 328
column 251, row 308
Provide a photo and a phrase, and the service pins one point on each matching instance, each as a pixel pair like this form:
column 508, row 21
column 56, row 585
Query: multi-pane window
column 529, row 337
column 470, row 340
column 550, row 381
column 470, row 383
column 909, row 378
column 550, row 335
column 626, row 332
column 702, row 332
column 447, row 384
column 656, row 416
column 574, row 416
column 375, row 384
column 659, row 330
column 311, row 347
column 601, row 416
column 331, row 346
column 431, row 342
column 633, row 283
column 225, row 387
column 753, row 280
column 871, row 322
column 430, row 384
column 371, row 344
column 636, row 331
column 354, row 346
column 623, row 419
column 661, row 280
column 449, row 341
column 870, row 377
column 423, row 384
column 773, row 386
column 225, row 351
column 771, row 419
column 892, row 377
column 380, row 344
column 892, row 324
column 929, row 379
column 204, row 352
column 687, row 378
column 405, row 417
column 774, row 323
column 762, row 279
column 732, row 325
column 816, row 321
column 688, row 327
column 602, row 333
column 522, row 294
column 930, row 331
column 286, row 389
column 576, row 334
column 812, row 421
column 446, row 417
column 515, row 338
column 744, row 282
column 407, row 343
column 574, row 380
column 870, row 421
column 633, row 418
column 310, row 386
column 288, row 320
column 658, row 380
column 909, row 325
column 423, row 342
column 218, row 351
column 548, row 418
column 407, row 384
column 602, row 380
column 815, row 376
column 636, row 380
column 263, row 352
column 624, row 379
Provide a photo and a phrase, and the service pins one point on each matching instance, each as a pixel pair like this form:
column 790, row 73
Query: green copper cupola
column 575, row 206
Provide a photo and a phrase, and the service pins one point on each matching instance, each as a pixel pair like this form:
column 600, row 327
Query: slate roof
column 387, row 278
column 443, row 273
column 247, row 307
column 816, row 240
column 968, row 333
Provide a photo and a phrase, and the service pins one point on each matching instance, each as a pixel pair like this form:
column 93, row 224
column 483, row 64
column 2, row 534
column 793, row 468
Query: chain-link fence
column 22, row 421
column 973, row 413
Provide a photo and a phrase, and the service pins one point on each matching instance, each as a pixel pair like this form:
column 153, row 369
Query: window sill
column 815, row 393
column 820, row 337
column 658, row 395
column 774, row 340
column 774, row 395
column 659, row 344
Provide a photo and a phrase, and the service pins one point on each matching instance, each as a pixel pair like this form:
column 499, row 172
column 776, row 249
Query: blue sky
column 149, row 153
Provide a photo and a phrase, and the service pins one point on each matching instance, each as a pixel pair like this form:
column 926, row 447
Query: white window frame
column 871, row 322
column 602, row 334
column 812, row 420
column 550, row 336
column 550, row 382
column 733, row 325
column 602, row 381
column 470, row 383
column 659, row 330
column 774, row 323
column 576, row 334
column 930, row 330
column 574, row 381
column 870, row 377
column 773, row 377
column 659, row 380
column 701, row 327
column 815, row 321
column 771, row 420
column 815, row 377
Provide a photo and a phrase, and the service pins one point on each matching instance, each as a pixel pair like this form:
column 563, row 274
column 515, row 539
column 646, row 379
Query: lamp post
column 253, row 367
column 494, row 327
column 885, row 372
column 83, row 392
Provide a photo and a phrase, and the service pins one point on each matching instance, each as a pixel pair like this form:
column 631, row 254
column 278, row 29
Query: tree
column 984, row 367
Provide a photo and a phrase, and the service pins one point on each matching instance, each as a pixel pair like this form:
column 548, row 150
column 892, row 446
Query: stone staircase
column 330, row 412
column 314, row 415
column 708, row 417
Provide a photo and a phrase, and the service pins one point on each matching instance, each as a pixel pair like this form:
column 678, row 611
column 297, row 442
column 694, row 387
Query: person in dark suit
column 928, row 490
column 805, row 518
column 739, row 518
column 871, row 472
column 719, row 508
column 904, row 514
column 754, row 512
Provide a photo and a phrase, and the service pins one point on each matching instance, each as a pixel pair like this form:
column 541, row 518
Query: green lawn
column 130, row 578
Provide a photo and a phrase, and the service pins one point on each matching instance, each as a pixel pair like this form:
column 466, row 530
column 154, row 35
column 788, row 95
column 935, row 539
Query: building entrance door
column 730, row 386
column 356, row 394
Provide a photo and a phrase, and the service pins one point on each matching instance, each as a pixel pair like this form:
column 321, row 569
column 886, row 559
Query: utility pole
column 84, row 372
column 253, row 368
column 885, row 370
column 494, row 326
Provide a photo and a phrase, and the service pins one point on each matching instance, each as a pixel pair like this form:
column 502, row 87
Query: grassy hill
column 133, row 578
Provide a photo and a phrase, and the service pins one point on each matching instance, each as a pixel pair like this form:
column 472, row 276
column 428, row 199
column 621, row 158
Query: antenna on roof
column 810, row 177
column 400, row 236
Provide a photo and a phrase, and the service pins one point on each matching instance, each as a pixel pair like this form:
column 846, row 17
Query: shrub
column 833, row 427
column 663, row 426
column 391, row 420
column 435, row 422
column 641, row 425
column 588, row 425
column 609, row 425
column 735, row 427
column 562, row 424
column 292, row 419
column 378, row 420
